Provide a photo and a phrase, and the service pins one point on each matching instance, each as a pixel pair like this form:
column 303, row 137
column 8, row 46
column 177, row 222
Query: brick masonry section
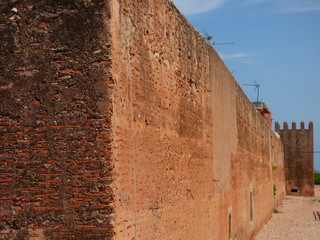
column 56, row 164
column 55, row 178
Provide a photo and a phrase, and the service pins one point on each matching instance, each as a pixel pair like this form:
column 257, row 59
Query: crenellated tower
column 298, row 158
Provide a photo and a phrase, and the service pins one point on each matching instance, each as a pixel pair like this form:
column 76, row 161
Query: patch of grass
column 274, row 189
column 317, row 177
column 315, row 199
column 276, row 210
column 274, row 167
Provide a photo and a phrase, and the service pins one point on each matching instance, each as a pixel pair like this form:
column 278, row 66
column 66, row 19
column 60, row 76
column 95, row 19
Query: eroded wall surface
column 118, row 121
column 55, row 152
column 299, row 158
column 193, row 158
column 278, row 170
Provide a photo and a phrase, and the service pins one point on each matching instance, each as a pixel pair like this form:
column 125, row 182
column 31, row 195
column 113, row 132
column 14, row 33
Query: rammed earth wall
column 193, row 158
column 118, row 121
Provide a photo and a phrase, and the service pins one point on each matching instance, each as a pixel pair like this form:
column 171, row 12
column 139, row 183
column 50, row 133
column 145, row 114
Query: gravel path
column 295, row 220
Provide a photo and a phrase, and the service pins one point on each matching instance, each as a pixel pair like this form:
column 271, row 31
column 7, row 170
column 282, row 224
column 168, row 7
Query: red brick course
column 55, row 173
column 55, row 125
column 23, row 192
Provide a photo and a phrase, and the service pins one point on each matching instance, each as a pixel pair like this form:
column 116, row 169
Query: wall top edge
column 293, row 126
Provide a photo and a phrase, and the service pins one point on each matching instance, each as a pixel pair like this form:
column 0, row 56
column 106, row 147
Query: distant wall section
column 299, row 158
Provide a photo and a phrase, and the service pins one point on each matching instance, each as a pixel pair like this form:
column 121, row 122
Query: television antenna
column 209, row 40
column 256, row 87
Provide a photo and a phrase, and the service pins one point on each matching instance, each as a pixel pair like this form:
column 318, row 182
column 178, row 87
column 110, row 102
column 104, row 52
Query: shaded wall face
column 278, row 170
column 257, row 169
column 54, row 120
column 299, row 163
column 192, row 156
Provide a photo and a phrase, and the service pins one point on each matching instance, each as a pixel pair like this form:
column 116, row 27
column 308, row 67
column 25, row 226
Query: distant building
column 298, row 158
column 262, row 108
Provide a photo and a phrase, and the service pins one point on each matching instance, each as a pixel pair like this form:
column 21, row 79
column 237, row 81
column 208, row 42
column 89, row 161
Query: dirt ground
column 298, row 219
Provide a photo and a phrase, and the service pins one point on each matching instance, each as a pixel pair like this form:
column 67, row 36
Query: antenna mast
column 209, row 39
column 257, row 87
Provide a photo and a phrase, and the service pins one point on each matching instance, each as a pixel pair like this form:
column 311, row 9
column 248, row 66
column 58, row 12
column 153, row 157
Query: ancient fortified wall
column 298, row 158
column 118, row 121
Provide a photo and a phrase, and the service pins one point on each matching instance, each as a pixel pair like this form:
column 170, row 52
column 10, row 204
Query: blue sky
column 277, row 45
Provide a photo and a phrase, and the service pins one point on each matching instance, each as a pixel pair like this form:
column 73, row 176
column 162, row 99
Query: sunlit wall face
column 276, row 45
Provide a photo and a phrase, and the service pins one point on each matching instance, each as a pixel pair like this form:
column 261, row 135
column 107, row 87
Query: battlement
column 298, row 157
column 293, row 126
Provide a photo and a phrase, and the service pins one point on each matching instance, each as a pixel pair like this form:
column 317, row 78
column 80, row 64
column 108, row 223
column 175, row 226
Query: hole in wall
column 230, row 226
column 294, row 190
column 251, row 206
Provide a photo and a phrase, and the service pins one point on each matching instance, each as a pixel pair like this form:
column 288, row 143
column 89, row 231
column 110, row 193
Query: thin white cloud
column 236, row 55
column 246, row 61
column 299, row 6
column 239, row 57
column 289, row 6
column 191, row 7
column 253, row 2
